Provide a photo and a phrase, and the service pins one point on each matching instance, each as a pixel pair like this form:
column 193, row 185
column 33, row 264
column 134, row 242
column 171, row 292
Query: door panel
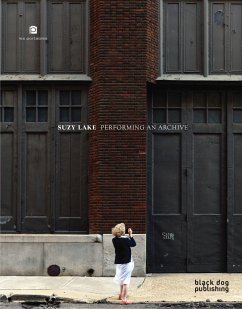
column 218, row 37
column 183, row 36
column 234, row 181
column 36, row 174
column 207, row 245
column 10, row 35
column 71, row 162
column 77, row 36
column 173, row 56
column 66, row 28
column 237, row 173
column 167, row 252
column 225, row 37
column 167, row 220
column 8, row 163
column 236, row 37
column 8, row 182
column 167, row 242
column 187, row 220
column 206, row 159
column 43, row 170
column 167, row 174
column 36, row 213
column 71, row 185
column 21, row 50
column 207, row 182
column 207, row 248
column 57, row 37
column 31, row 48
column 192, row 37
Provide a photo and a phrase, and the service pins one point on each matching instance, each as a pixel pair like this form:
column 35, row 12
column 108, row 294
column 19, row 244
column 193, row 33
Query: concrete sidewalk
column 153, row 288
column 81, row 289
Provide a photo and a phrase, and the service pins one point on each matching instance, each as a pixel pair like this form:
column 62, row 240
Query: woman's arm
column 132, row 242
column 131, row 239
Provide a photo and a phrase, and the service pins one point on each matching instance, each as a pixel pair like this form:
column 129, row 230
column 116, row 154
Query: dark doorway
column 43, row 170
column 194, row 200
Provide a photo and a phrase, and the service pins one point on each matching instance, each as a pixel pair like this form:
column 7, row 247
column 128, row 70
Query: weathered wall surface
column 76, row 255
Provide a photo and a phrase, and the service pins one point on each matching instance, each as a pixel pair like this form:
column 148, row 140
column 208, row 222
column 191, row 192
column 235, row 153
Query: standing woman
column 123, row 259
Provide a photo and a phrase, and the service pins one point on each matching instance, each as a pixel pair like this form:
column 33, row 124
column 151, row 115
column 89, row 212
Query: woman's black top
column 122, row 249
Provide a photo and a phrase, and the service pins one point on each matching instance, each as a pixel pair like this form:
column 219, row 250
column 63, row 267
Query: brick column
column 123, row 58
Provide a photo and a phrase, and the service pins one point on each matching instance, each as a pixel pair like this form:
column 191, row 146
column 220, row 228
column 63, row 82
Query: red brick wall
column 123, row 58
column 153, row 48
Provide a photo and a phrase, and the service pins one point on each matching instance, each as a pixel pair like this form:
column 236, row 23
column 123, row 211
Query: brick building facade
column 173, row 65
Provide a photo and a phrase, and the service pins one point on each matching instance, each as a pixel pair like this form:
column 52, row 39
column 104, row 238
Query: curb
column 26, row 297
column 54, row 300
column 40, row 299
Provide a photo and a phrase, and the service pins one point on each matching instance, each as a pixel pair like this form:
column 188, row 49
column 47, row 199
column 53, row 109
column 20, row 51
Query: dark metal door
column 66, row 32
column 71, row 161
column 43, row 170
column 206, row 191
column 187, row 183
column 8, row 156
column 225, row 37
column 182, row 26
column 20, row 50
column 186, row 28
column 36, row 174
column 234, row 220
column 167, row 193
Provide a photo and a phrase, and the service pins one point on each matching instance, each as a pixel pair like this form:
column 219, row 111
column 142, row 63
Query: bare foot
column 125, row 302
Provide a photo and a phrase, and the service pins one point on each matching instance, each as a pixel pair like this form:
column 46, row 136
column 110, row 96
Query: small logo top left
column 33, row 30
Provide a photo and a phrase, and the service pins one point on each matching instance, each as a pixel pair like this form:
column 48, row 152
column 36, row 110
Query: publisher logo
column 33, row 30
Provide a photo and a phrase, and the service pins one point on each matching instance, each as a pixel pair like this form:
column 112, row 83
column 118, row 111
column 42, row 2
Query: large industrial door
column 191, row 227
column 234, row 197
column 206, row 191
column 43, row 170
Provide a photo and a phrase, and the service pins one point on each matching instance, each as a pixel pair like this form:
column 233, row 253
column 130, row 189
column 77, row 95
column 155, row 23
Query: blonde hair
column 118, row 230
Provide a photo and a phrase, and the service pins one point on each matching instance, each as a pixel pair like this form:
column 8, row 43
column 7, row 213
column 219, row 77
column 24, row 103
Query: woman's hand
column 130, row 232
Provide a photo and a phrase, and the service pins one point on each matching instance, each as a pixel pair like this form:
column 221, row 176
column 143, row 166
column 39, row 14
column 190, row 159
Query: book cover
column 121, row 111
